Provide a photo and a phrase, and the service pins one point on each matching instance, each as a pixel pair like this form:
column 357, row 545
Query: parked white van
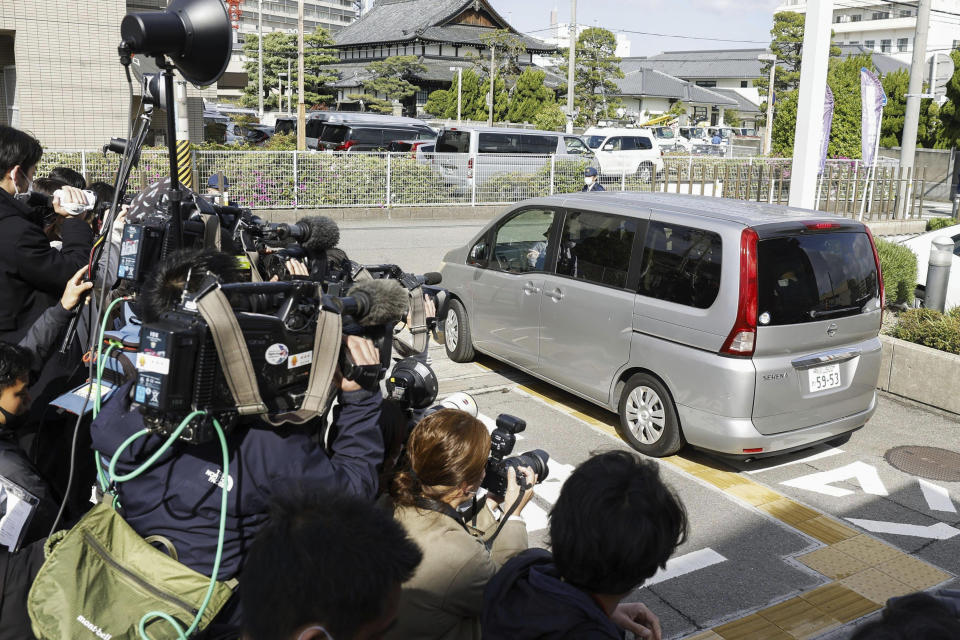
column 626, row 151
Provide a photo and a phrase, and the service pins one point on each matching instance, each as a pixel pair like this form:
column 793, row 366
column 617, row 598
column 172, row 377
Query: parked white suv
column 626, row 151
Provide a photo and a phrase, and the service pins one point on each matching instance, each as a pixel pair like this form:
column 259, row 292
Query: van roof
column 739, row 211
column 359, row 116
column 615, row 131
column 504, row 130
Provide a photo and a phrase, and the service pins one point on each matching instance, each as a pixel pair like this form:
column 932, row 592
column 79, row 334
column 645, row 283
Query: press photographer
column 178, row 497
column 448, row 455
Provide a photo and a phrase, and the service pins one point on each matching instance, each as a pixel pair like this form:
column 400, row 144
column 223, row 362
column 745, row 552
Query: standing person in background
column 69, row 176
column 591, row 180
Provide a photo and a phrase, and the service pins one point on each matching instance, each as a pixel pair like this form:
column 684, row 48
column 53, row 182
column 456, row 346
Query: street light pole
column 260, row 56
column 289, row 89
column 493, row 71
column 301, row 105
column 459, row 71
column 911, row 120
column 570, row 63
column 768, row 130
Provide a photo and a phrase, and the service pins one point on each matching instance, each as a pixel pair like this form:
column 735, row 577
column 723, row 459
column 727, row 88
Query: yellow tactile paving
column 789, row 511
column 799, row 618
column 826, row 530
column 877, row 586
column 840, row 601
column 832, row 563
column 704, row 635
column 753, row 493
column 753, row 627
column 868, row 550
column 913, row 572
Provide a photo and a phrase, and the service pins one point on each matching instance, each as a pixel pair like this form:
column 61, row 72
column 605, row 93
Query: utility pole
column 768, row 129
column 459, row 71
column 911, row 121
column 813, row 88
column 260, row 56
column 301, row 106
column 570, row 63
column 289, row 88
column 493, row 71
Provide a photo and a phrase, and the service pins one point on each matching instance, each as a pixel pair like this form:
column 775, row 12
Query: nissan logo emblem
column 832, row 329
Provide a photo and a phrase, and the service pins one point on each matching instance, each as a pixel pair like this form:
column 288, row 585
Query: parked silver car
column 738, row 327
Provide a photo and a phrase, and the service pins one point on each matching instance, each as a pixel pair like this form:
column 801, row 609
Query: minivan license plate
column 823, row 378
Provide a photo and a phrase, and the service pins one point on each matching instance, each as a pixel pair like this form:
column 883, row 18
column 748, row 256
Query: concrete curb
column 896, row 227
column 919, row 373
column 484, row 212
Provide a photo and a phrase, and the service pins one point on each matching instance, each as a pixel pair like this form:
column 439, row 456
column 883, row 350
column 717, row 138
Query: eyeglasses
column 325, row 632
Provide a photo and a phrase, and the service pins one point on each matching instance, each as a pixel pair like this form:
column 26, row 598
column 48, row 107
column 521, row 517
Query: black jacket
column 179, row 496
column 527, row 599
column 32, row 273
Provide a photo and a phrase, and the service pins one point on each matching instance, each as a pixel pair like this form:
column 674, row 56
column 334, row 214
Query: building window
column 856, row 18
column 906, row 13
column 956, row 44
column 869, row 44
column 699, row 114
column 879, row 15
column 744, row 84
column 854, row 42
column 902, row 44
column 706, row 83
column 885, row 45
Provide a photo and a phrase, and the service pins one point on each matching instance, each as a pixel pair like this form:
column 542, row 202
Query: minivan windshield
column 815, row 277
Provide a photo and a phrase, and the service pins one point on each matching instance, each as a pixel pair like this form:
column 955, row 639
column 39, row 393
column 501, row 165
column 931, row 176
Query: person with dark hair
column 18, row 363
column 176, row 497
column 447, row 454
column 614, row 524
column 73, row 178
column 325, row 566
column 51, row 221
column 915, row 616
column 32, row 273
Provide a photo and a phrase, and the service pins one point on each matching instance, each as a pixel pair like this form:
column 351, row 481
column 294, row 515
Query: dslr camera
column 502, row 441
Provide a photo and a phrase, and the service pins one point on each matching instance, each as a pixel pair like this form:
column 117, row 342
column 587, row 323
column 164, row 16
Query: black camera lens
column 537, row 461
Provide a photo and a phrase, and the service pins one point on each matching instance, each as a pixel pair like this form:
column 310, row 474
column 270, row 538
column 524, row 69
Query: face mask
column 11, row 421
column 588, row 181
column 26, row 192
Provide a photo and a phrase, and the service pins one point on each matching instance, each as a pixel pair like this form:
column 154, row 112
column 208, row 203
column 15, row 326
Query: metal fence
column 308, row 180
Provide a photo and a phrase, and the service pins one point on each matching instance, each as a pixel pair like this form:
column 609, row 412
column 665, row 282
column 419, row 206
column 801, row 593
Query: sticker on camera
column 153, row 364
column 300, row 359
column 276, row 353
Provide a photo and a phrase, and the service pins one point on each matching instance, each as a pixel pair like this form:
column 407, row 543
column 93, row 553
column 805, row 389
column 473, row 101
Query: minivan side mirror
column 608, row 147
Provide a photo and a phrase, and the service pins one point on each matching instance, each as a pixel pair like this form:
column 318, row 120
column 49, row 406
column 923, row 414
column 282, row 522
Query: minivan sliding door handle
column 556, row 295
column 530, row 289
column 828, row 357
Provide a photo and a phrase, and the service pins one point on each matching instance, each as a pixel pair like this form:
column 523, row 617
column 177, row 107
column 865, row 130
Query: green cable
column 96, row 400
column 182, row 635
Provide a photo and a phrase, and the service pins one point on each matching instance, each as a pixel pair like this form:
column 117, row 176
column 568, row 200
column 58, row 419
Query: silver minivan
column 738, row 327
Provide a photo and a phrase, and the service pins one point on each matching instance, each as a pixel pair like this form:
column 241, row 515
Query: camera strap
column 441, row 508
column 418, row 326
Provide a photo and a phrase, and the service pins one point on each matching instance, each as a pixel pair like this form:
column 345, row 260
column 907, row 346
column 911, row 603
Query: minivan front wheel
column 456, row 333
column 648, row 419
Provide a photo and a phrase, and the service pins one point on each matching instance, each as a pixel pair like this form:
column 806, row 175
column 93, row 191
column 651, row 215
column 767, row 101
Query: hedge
column 930, row 328
column 899, row 267
column 934, row 224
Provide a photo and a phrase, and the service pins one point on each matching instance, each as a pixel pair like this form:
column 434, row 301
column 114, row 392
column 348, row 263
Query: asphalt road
column 782, row 530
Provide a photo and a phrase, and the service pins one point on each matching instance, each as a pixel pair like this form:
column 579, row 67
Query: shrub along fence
column 301, row 180
column 899, row 267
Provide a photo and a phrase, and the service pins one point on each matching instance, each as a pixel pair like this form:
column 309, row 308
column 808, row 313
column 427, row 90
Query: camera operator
column 614, row 524
column 178, row 496
column 447, row 454
column 32, row 273
column 17, row 364
column 325, row 566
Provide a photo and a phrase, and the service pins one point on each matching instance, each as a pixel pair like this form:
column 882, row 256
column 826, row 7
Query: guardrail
column 310, row 180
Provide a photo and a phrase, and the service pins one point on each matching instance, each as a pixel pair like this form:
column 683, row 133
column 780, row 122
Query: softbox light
column 195, row 35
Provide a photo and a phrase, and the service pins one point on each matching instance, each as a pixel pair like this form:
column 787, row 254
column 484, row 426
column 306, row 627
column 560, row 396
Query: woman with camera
column 447, row 453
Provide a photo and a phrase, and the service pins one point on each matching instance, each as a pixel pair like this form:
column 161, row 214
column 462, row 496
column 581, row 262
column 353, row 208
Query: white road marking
column 937, row 497
column 687, row 563
column 549, row 489
column 866, row 475
column 817, row 456
column 535, row 517
column 939, row 531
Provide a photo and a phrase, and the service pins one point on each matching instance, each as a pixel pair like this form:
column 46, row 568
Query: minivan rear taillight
column 345, row 146
column 743, row 336
column 876, row 259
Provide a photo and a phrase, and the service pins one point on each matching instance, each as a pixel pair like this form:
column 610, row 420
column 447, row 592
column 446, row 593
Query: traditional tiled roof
column 644, row 81
column 744, row 105
column 717, row 63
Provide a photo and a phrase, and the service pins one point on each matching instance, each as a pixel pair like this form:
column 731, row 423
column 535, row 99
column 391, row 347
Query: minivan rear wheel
column 648, row 419
column 456, row 333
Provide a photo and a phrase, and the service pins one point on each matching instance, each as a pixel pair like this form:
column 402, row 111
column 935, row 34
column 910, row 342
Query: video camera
column 180, row 369
column 502, row 441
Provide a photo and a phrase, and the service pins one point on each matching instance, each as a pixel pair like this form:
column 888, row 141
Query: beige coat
column 444, row 598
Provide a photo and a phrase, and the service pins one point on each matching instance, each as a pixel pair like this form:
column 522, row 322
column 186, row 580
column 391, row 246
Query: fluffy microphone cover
column 324, row 233
column 388, row 301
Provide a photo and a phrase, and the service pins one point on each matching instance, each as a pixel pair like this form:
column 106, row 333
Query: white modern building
column 559, row 35
column 889, row 27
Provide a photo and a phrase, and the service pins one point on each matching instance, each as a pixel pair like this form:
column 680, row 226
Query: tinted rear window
column 815, row 277
column 334, row 133
column 681, row 264
column 285, row 126
column 543, row 145
column 637, row 143
column 365, row 136
column 454, row 142
column 498, row 143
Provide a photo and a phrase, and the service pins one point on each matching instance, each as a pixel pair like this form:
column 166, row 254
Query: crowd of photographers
column 367, row 521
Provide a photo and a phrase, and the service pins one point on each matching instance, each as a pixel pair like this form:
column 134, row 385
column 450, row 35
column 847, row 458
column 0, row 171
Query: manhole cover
column 927, row 462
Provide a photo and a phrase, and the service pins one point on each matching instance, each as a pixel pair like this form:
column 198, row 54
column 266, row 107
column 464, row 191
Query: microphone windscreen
column 388, row 300
column 324, row 233
column 431, row 278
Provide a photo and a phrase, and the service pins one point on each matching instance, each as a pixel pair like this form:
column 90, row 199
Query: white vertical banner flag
column 872, row 101
column 827, row 123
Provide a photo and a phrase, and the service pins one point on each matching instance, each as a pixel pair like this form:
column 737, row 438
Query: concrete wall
column 940, row 165
column 70, row 85
column 920, row 374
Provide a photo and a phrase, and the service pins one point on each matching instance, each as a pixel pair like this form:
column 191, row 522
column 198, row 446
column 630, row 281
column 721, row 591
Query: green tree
column 784, row 124
column 732, row 117
column 508, row 51
column 279, row 49
column 390, row 78
column 843, row 76
column 895, row 86
column 596, row 69
column 442, row 103
column 948, row 135
column 530, row 96
column 550, row 118
column 501, row 102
